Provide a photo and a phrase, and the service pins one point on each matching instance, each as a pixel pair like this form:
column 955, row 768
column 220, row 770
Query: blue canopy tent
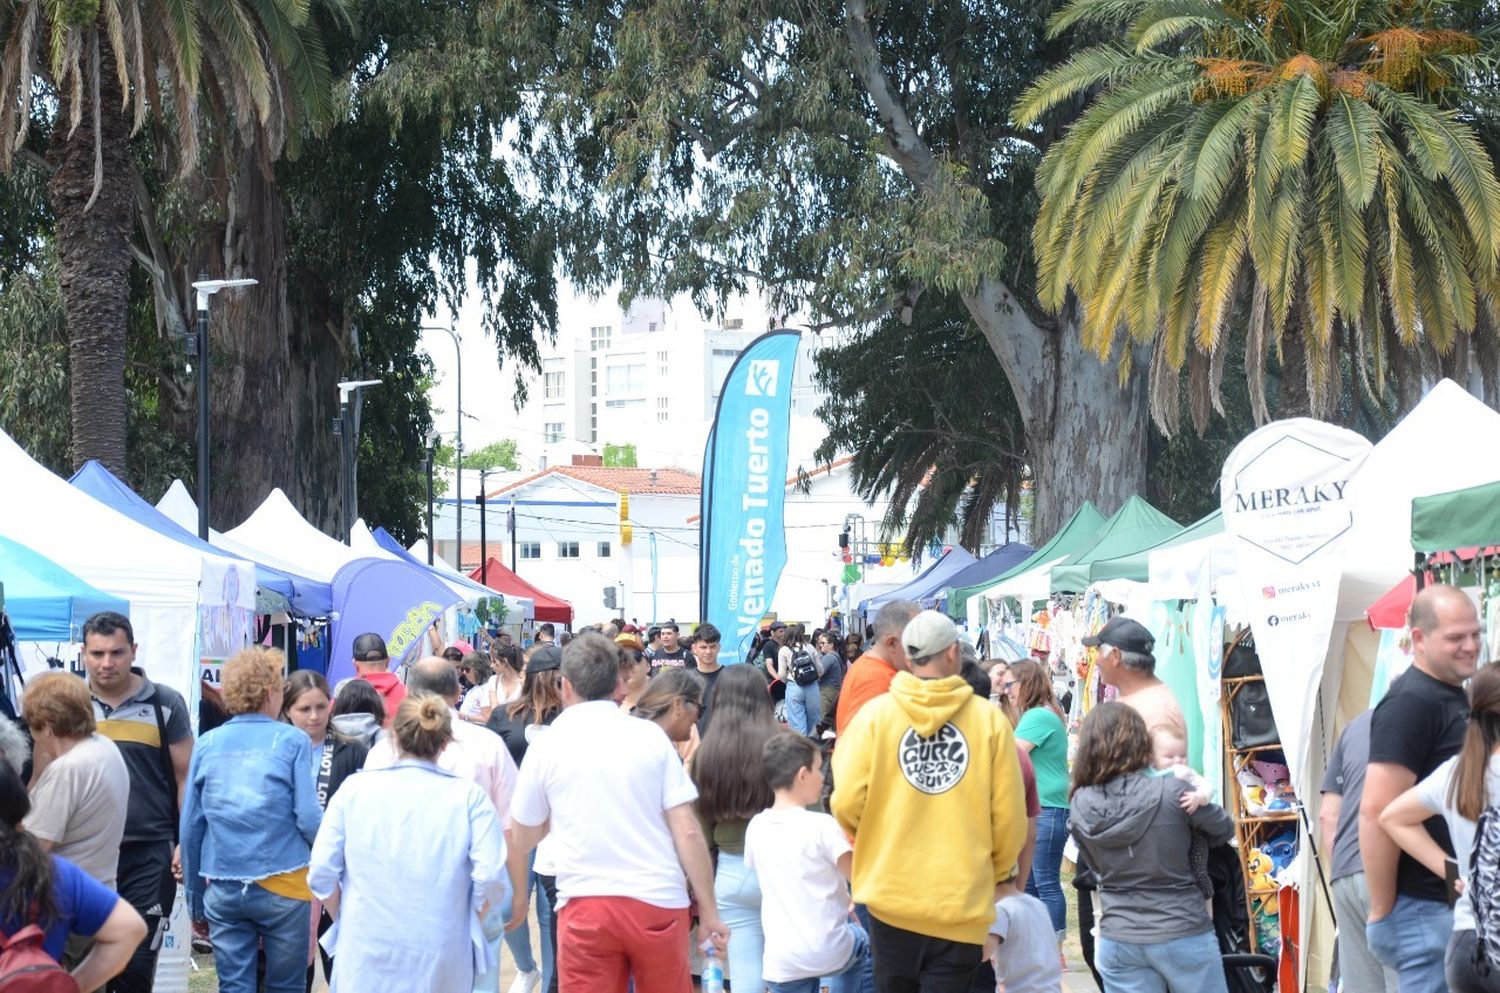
column 935, row 577
column 44, row 601
column 997, row 562
column 303, row 595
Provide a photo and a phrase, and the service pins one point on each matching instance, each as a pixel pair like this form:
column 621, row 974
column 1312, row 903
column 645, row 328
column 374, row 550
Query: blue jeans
column 803, row 706
column 1413, row 940
column 1045, row 883
column 867, row 972
column 243, row 918
column 1182, row 965
column 737, row 891
column 544, row 924
column 846, row 980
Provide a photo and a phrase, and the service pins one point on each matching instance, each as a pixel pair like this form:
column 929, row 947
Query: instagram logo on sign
column 1268, row 592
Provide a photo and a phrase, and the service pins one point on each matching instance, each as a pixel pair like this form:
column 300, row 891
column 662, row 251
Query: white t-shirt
column 1433, row 792
column 1027, row 960
column 479, row 697
column 804, row 903
column 79, row 805
column 605, row 780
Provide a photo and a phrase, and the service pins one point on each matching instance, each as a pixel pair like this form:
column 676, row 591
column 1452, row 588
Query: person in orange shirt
column 871, row 674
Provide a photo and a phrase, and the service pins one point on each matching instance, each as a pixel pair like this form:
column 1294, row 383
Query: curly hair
column 59, row 702
column 1112, row 743
column 250, row 676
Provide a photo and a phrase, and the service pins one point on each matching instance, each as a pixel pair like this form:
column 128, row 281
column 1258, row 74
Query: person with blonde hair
column 248, row 822
column 80, row 788
column 410, row 859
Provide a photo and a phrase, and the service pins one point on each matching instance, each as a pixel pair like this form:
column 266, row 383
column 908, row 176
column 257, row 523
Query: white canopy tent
column 165, row 581
column 364, row 542
column 278, row 531
column 1433, row 449
column 178, row 504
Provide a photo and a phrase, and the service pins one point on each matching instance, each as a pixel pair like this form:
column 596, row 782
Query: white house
column 582, row 528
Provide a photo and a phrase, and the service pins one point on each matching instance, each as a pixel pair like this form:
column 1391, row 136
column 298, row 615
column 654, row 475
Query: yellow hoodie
column 926, row 782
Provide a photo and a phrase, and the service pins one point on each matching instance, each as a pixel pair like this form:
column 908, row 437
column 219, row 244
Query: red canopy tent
column 1389, row 612
column 497, row 577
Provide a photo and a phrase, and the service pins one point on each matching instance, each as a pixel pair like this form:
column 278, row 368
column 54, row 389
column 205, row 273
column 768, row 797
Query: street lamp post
column 427, row 467
column 206, row 288
column 484, row 548
column 458, row 443
column 343, row 426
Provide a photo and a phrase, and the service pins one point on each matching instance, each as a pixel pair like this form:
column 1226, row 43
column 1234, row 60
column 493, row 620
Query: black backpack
column 804, row 667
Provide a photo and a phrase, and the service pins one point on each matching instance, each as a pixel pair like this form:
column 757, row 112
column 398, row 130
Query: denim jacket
column 251, row 809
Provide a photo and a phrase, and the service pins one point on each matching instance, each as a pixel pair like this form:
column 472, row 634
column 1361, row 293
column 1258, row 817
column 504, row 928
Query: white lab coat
column 414, row 852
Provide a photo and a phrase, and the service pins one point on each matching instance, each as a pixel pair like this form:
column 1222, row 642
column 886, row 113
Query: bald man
column 1417, row 726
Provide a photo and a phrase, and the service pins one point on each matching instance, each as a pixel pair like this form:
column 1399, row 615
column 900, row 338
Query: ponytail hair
column 27, row 896
column 423, row 726
column 1466, row 793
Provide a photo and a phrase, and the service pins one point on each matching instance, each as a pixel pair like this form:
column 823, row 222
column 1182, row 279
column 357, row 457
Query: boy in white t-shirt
column 802, row 860
column 1022, row 944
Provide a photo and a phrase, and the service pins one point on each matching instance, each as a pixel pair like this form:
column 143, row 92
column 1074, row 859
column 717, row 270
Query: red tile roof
column 670, row 481
column 827, row 467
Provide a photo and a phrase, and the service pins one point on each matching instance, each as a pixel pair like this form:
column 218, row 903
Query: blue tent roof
column 386, row 540
column 1000, row 560
column 935, row 577
column 44, row 601
column 308, row 596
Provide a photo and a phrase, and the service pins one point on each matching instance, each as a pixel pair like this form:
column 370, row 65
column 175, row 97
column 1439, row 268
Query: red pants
column 604, row 941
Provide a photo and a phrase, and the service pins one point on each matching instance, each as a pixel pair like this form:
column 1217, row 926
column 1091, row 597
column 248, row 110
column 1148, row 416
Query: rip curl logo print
column 936, row 764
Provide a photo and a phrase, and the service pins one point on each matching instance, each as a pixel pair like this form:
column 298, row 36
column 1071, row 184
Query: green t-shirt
column 1049, row 754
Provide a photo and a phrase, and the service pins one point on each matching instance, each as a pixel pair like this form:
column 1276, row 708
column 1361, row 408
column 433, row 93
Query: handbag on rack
column 1253, row 724
column 1241, row 660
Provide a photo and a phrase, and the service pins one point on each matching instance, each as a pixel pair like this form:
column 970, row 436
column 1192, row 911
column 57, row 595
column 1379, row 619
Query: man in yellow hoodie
column 927, row 784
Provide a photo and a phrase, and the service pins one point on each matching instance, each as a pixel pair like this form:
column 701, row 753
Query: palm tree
column 1307, row 164
column 255, row 66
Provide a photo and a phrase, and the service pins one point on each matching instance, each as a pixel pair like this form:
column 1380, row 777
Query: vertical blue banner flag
column 742, row 544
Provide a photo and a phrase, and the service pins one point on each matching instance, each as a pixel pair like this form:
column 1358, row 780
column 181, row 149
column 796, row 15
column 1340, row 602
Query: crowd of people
column 877, row 811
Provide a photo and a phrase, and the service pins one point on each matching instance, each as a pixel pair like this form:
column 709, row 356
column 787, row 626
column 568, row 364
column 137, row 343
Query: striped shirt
column 133, row 727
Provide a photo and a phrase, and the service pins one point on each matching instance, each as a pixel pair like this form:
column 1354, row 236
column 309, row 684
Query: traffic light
column 609, row 597
column 844, row 538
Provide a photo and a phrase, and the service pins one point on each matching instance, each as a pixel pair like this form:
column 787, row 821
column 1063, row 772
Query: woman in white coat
column 405, row 856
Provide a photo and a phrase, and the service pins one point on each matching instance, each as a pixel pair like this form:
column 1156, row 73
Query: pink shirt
column 476, row 754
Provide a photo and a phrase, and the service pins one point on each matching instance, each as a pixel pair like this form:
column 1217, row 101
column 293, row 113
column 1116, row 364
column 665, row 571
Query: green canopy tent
column 1137, row 565
column 1072, row 536
column 1135, row 526
column 1467, row 518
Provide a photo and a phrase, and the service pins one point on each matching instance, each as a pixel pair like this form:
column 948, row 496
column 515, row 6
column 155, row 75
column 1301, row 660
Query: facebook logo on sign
column 760, row 381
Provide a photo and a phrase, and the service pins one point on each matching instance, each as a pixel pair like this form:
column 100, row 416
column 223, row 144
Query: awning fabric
column 548, row 607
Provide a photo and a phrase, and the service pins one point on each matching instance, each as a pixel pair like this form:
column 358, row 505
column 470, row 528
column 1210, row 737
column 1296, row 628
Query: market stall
column 969, row 603
column 546, row 608
column 929, row 581
column 990, row 566
column 44, row 601
column 177, row 595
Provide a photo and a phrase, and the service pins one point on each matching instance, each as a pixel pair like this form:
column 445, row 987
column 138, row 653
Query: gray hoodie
column 358, row 727
column 1136, row 837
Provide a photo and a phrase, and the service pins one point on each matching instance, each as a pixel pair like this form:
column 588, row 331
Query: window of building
column 734, row 324
column 567, row 549
column 604, row 549
column 552, row 432
column 626, row 377
column 661, row 403
column 662, row 417
column 552, row 385
column 529, row 549
column 599, row 338
column 651, row 327
column 620, row 404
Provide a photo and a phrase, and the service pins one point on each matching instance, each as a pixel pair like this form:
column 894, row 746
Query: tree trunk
column 1086, row 434
column 93, row 247
column 275, row 372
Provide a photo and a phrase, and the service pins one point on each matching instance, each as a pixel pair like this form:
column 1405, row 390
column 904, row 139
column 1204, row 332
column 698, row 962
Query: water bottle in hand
column 713, row 972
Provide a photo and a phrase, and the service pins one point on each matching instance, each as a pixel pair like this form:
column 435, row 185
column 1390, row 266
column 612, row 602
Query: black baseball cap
column 1124, row 634
column 370, row 647
column 545, row 658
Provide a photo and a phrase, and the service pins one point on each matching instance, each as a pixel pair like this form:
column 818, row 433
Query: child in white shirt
column 1022, row 944
column 1169, row 756
column 802, row 860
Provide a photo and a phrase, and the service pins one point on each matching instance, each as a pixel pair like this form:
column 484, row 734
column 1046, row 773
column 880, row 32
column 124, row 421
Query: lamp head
column 208, row 287
column 349, row 386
